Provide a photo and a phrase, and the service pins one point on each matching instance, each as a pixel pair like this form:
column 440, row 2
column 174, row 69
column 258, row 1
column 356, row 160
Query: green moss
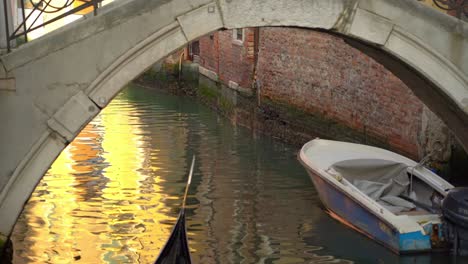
column 225, row 105
column 3, row 240
column 207, row 92
column 174, row 68
column 320, row 125
column 289, row 112
column 190, row 72
column 152, row 75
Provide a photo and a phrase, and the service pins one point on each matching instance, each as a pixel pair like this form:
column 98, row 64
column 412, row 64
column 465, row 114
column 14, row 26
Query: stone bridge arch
column 63, row 79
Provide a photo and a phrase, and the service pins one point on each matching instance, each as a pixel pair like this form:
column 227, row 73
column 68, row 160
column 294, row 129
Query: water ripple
column 114, row 193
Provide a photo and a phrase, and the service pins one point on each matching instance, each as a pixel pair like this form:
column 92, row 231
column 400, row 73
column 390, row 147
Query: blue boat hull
column 349, row 211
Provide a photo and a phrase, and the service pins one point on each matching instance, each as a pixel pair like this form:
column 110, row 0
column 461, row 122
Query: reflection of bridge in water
column 44, row 103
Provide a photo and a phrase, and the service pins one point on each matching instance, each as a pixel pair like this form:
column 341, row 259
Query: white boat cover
column 381, row 180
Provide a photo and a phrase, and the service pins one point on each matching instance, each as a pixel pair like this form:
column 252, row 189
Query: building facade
column 334, row 90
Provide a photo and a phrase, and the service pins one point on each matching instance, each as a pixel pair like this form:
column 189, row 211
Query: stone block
column 210, row 74
column 73, row 116
column 131, row 64
column 416, row 53
column 244, row 91
column 198, row 22
column 8, row 84
column 371, row 27
column 303, row 13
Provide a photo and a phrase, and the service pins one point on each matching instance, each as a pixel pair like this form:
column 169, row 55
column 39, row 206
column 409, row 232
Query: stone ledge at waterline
column 265, row 115
column 243, row 106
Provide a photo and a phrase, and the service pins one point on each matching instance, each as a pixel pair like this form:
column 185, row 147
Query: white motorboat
column 388, row 197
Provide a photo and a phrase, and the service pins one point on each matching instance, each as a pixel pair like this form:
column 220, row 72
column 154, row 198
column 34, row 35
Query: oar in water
column 176, row 250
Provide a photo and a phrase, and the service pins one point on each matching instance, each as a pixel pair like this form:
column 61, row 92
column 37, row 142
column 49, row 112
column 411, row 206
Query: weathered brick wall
column 209, row 51
column 232, row 60
column 320, row 74
column 346, row 94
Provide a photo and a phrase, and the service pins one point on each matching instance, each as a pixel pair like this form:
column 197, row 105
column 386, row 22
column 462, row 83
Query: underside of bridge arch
column 64, row 79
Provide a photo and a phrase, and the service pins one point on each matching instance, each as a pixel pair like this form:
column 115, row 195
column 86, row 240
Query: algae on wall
column 271, row 117
column 3, row 242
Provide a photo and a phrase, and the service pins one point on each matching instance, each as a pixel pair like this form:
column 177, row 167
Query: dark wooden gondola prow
column 176, row 250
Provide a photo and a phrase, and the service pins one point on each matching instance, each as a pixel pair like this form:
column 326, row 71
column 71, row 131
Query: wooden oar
column 176, row 250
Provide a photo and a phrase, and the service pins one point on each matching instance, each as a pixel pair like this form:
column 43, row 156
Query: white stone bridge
column 52, row 87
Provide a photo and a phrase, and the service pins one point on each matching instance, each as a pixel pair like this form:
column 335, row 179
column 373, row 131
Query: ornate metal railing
column 36, row 8
column 457, row 8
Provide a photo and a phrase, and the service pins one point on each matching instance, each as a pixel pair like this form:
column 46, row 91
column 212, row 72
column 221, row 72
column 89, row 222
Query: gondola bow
column 176, row 250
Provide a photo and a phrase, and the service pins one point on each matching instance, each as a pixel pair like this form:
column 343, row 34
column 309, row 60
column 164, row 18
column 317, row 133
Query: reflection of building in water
column 132, row 197
column 85, row 154
column 123, row 157
column 55, row 219
column 228, row 204
column 119, row 197
column 96, row 201
column 238, row 209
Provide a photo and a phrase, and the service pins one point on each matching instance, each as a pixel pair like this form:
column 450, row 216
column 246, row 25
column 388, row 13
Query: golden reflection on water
column 114, row 193
column 109, row 214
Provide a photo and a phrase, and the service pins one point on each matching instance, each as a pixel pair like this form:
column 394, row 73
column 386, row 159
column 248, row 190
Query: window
column 195, row 47
column 238, row 34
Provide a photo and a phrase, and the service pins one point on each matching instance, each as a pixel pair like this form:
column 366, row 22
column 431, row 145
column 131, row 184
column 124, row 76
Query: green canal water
column 114, row 194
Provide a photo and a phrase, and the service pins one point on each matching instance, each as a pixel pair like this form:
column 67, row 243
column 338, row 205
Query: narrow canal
column 114, row 194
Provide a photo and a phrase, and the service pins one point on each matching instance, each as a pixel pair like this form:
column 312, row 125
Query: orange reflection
column 95, row 202
column 130, row 209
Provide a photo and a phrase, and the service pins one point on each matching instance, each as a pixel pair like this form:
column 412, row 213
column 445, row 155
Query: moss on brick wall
column 308, row 126
column 322, row 75
column 276, row 118
column 2, row 243
column 216, row 96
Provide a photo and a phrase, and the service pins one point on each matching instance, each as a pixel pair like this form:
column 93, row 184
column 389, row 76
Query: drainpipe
column 180, row 63
column 256, row 82
column 218, row 54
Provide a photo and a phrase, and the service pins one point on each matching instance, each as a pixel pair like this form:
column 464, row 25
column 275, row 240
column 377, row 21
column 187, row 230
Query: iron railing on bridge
column 35, row 10
column 457, row 8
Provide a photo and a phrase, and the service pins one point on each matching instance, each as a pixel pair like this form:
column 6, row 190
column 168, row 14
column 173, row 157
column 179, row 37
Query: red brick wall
column 209, row 51
column 320, row 74
column 231, row 60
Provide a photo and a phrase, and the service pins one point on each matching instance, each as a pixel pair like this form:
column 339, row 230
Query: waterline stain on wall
column 299, row 84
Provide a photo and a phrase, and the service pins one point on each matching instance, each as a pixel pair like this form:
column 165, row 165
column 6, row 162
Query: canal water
column 114, row 194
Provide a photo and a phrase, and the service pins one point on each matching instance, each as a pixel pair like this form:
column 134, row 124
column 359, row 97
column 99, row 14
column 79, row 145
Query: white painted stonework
column 207, row 73
column 63, row 79
column 235, row 86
